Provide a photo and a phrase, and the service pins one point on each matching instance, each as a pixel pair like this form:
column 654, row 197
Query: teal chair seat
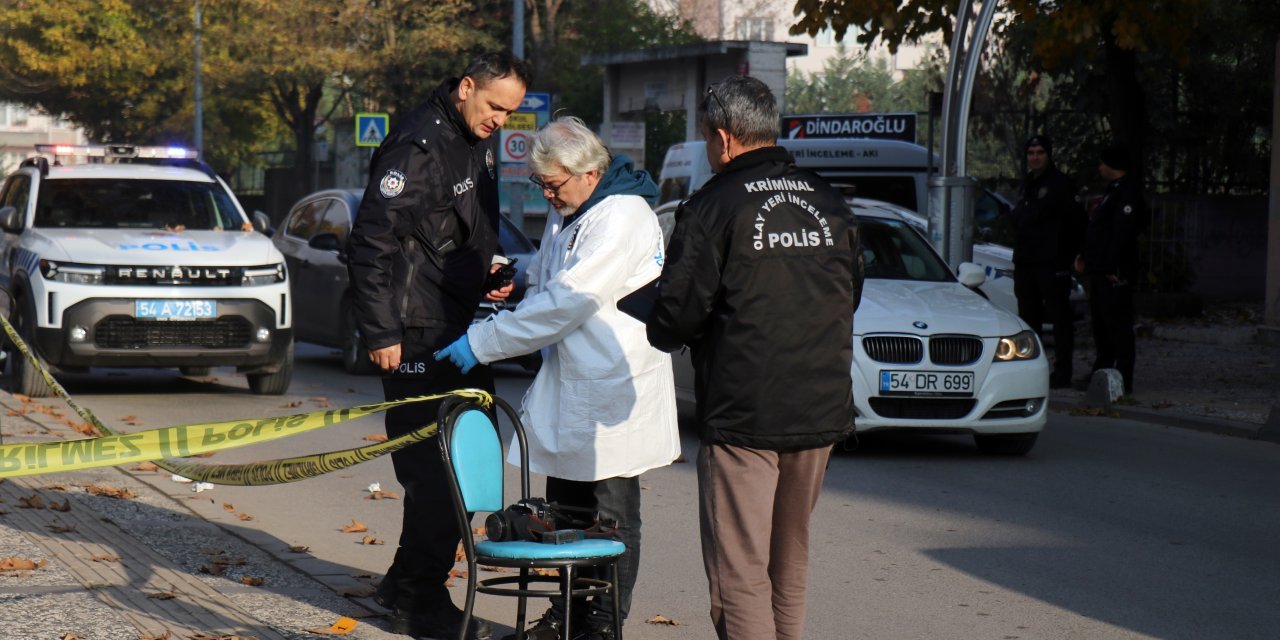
column 541, row 551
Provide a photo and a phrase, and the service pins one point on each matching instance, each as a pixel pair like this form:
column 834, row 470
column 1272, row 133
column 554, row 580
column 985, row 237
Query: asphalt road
column 1108, row 529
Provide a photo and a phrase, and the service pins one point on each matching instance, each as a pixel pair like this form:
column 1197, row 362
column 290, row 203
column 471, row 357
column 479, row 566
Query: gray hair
column 567, row 142
column 743, row 106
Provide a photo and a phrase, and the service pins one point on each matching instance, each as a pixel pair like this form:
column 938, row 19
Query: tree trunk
column 1126, row 100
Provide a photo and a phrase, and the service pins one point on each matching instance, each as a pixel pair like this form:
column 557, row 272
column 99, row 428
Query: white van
column 887, row 170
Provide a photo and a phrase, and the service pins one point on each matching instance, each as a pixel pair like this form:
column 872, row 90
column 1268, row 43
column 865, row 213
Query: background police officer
column 1049, row 225
column 1110, row 258
column 420, row 250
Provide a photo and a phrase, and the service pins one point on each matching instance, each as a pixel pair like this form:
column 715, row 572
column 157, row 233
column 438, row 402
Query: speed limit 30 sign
column 515, row 145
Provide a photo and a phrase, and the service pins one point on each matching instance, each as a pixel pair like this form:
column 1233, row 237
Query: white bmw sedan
column 930, row 351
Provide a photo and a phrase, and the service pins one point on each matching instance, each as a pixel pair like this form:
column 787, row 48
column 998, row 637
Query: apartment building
column 21, row 128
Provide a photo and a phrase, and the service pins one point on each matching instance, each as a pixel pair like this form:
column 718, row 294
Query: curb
column 1205, row 424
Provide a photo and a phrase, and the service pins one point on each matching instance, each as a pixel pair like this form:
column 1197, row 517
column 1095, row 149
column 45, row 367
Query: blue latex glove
column 460, row 354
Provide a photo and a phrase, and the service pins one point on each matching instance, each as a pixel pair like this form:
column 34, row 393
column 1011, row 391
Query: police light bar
column 118, row 151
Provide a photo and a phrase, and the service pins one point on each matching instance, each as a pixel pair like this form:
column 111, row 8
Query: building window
column 755, row 29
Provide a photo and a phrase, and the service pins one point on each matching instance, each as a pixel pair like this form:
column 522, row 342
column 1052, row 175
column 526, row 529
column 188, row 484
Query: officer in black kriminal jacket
column 1048, row 224
column 1110, row 259
column 763, row 274
column 422, row 245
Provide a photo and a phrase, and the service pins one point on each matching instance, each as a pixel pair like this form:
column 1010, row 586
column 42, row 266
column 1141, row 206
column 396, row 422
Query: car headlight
column 266, row 274
column 1022, row 346
column 71, row 272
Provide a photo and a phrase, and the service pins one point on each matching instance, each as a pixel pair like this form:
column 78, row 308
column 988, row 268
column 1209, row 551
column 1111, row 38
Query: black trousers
column 1111, row 308
column 1044, row 295
column 429, row 535
column 615, row 499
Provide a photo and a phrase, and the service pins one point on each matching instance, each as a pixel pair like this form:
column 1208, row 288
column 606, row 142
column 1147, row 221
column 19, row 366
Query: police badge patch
column 392, row 184
column 488, row 161
column 1044, row 191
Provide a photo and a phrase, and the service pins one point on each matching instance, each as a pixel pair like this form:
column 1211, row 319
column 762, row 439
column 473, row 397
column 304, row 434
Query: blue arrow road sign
column 536, row 102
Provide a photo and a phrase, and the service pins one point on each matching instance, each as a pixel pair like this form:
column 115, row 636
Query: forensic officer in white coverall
column 602, row 409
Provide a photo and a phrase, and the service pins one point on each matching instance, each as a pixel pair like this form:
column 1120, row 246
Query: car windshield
column 176, row 205
column 892, row 250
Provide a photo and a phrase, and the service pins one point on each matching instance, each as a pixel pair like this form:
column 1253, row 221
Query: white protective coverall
column 603, row 404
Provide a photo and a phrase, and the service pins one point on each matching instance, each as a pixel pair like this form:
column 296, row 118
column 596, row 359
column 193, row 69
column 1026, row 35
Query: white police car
column 139, row 257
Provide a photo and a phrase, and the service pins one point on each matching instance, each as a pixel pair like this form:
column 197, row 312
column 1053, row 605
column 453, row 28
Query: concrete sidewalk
column 103, row 555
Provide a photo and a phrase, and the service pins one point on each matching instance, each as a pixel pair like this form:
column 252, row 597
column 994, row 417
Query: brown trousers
column 754, row 508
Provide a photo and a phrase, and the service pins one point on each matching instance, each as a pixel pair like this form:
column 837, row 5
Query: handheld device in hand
column 502, row 277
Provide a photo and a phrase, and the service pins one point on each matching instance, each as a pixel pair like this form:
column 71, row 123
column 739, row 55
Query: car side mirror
column 325, row 242
column 971, row 275
column 261, row 222
column 10, row 219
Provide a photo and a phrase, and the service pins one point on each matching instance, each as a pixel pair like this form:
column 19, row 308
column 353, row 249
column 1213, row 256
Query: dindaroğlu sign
column 884, row 126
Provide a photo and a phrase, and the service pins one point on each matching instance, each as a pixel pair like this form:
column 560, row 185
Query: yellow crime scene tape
column 159, row 445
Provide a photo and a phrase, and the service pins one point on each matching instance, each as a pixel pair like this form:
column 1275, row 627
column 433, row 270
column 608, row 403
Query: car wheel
column 24, row 378
column 355, row 357
column 1006, row 444
column 195, row 371
column 273, row 384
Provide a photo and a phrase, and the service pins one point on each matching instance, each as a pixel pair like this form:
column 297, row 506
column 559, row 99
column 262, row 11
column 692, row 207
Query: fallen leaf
column 342, row 627
column 297, row 548
column 253, row 582
column 663, row 620
column 85, row 428
column 375, row 437
column 145, row 466
column 244, row 517
column 478, row 531
column 355, row 527
column 14, row 563
column 60, row 528
column 291, row 405
column 203, row 454
column 363, row 591
column 105, row 557
column 680, row 459
column 161, row 595
column 33, row 501
column 459, row 553
column 493, row 569
column 109, row 491
column 69, row 636
column 227, row 506
column 383, row 495
column 63, row 506
column 168, row 635
column 213, row 570
column 370, row 540
column 546, row 572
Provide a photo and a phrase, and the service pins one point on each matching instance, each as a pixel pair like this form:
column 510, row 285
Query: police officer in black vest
column 1110, row 260
column 422, row 246
column 1049, row 227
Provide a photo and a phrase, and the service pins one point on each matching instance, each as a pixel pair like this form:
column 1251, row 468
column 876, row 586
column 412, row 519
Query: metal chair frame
column 570, row 586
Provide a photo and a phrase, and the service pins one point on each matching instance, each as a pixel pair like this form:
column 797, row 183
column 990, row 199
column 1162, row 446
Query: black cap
column 1116, row 156
column 1040, row 140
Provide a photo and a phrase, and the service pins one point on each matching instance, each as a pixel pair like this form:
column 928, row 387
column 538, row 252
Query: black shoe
column 440, row 622
column 595, row 627
column 548, row 627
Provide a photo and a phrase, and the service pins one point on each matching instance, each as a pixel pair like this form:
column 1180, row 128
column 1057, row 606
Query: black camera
column 524, row 520
column 502, row 277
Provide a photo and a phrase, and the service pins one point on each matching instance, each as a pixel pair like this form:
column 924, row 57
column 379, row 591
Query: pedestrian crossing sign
column 371, row 129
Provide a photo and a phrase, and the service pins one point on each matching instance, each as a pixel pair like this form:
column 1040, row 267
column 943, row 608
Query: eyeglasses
column 724, row 113
column 546, row 188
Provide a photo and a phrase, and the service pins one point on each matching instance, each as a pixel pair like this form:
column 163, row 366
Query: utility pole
column 1270, row 331
column 951, row 193
column 199, row 124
